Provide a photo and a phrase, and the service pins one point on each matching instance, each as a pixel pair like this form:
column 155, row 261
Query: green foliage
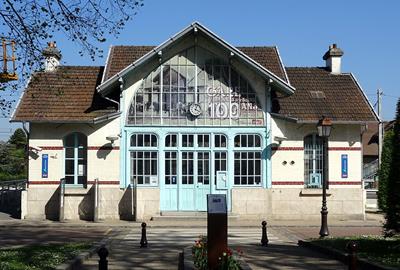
column 373, row 248
column 384, row 170
column 44, row 257
column 12, row 157
column 227, row 260
column 18, row 139
column 392, row 213
column 199, row 251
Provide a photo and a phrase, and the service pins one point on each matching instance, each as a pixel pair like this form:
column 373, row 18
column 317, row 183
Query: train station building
column 159, row 127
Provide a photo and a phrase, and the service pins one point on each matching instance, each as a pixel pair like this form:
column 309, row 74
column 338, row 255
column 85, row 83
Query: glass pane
column 69, row 152
column 139, row 140
column 81, row 140
column 69, row 179
column 81, row 180
column 69, row 167
column 70, row 140
column 133, row 140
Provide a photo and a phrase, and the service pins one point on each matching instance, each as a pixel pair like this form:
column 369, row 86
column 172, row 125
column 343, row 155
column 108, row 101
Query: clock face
column 195, row 109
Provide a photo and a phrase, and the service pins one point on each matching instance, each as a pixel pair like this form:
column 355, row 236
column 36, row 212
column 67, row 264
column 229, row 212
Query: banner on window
column 45, row 165
column 345, row 166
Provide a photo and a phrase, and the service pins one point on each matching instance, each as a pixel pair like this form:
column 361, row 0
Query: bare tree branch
column 32, row 23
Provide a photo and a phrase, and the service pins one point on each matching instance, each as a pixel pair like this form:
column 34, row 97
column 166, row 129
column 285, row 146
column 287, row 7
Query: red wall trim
column 344, row 148
column 344, row 183
column 89, row 147
column 103, row 148
column 329, row 148
column 287, row 148
column 57, row 182
column 291, row 183
column 44, row 182
column 287, row 182
column 105, row 182
column 51, row 147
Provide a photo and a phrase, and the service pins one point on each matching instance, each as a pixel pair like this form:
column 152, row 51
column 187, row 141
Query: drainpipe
column 26, row 152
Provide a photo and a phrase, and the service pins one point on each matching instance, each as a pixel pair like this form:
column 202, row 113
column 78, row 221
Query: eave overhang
column 282, row 86
column 95, row 120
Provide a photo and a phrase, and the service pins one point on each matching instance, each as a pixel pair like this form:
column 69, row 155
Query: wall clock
column 195, row 109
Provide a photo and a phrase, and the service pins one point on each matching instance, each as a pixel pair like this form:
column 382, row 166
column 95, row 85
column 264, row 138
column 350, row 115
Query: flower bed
column 228, row 259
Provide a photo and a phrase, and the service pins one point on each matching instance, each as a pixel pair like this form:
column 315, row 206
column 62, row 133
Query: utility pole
column 379, row 93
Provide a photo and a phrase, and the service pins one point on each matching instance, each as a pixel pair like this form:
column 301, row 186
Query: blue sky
column 367, row 31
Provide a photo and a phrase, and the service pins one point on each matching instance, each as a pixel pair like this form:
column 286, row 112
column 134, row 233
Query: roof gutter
column 106, row 117
column 284, row 117
column 96, row 120
column 339, row 122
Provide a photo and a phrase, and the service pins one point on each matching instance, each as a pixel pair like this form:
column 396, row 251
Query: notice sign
column 45, row 165
column 345, row 166
column 216, row 204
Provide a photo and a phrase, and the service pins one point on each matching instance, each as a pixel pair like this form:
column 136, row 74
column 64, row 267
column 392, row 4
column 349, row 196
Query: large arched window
column 313, row 161
column 195, row 87
column 75, row 149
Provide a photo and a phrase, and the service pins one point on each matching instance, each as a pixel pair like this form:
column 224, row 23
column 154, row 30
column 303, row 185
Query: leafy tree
column 12, row 157
column 384, row 170
column 32, row 23
column 18, row 139
column 392, row 212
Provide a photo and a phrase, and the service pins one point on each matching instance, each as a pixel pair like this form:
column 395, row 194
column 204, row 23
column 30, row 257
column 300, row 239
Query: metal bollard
column 264, row 237
column 352, row 256
column 143, row 240
column 103, row 262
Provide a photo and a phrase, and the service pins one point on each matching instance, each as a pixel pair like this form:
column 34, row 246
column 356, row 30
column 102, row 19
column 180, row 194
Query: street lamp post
column 324, row 128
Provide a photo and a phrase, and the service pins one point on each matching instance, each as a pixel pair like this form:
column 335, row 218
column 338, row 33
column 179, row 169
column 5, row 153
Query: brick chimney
column 52, row 56
column 333, row 59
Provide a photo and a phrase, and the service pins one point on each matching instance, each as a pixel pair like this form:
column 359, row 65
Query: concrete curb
column 341, row 256
column 77, row 262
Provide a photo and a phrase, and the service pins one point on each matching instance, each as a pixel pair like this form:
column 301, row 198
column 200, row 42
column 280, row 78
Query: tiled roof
column 268, row 57
column 121, row 56
column 67, row 94
column 318, row 92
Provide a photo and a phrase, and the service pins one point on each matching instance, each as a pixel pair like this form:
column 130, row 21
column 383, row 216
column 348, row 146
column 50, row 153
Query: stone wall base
column 43, row 202
column 297, row 203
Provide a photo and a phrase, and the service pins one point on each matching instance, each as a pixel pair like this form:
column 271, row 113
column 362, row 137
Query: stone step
column 186, row 216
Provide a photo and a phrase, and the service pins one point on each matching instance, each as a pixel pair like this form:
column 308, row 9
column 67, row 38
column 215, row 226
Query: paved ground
column 166, row 244
column 168, row 238
column 17, row 236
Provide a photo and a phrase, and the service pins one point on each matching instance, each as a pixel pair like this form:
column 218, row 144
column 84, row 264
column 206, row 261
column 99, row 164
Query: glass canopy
column 195, row 88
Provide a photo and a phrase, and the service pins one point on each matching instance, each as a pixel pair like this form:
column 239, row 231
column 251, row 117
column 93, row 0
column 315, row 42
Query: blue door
column 202, row 180
column 195, row 180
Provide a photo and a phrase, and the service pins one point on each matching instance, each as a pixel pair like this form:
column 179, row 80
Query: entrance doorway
column 195, row 180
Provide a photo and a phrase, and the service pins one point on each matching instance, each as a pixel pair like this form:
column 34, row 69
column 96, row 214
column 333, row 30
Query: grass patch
column 385, row 251
column 43, row 257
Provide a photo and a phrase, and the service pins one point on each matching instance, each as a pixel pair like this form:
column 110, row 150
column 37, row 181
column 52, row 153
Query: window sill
column 313, row 192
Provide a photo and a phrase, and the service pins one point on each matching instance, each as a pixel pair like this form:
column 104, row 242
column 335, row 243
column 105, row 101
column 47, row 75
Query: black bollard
column 264, row 237
column 103, row 262
column 352, row 256
column 143, row 240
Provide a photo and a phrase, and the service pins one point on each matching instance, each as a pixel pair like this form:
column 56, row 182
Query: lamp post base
column 324, row 224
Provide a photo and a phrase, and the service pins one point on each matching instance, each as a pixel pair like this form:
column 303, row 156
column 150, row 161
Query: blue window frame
column 75, row 157
column 144, row 159
column 248, row 160
column 313, row 161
